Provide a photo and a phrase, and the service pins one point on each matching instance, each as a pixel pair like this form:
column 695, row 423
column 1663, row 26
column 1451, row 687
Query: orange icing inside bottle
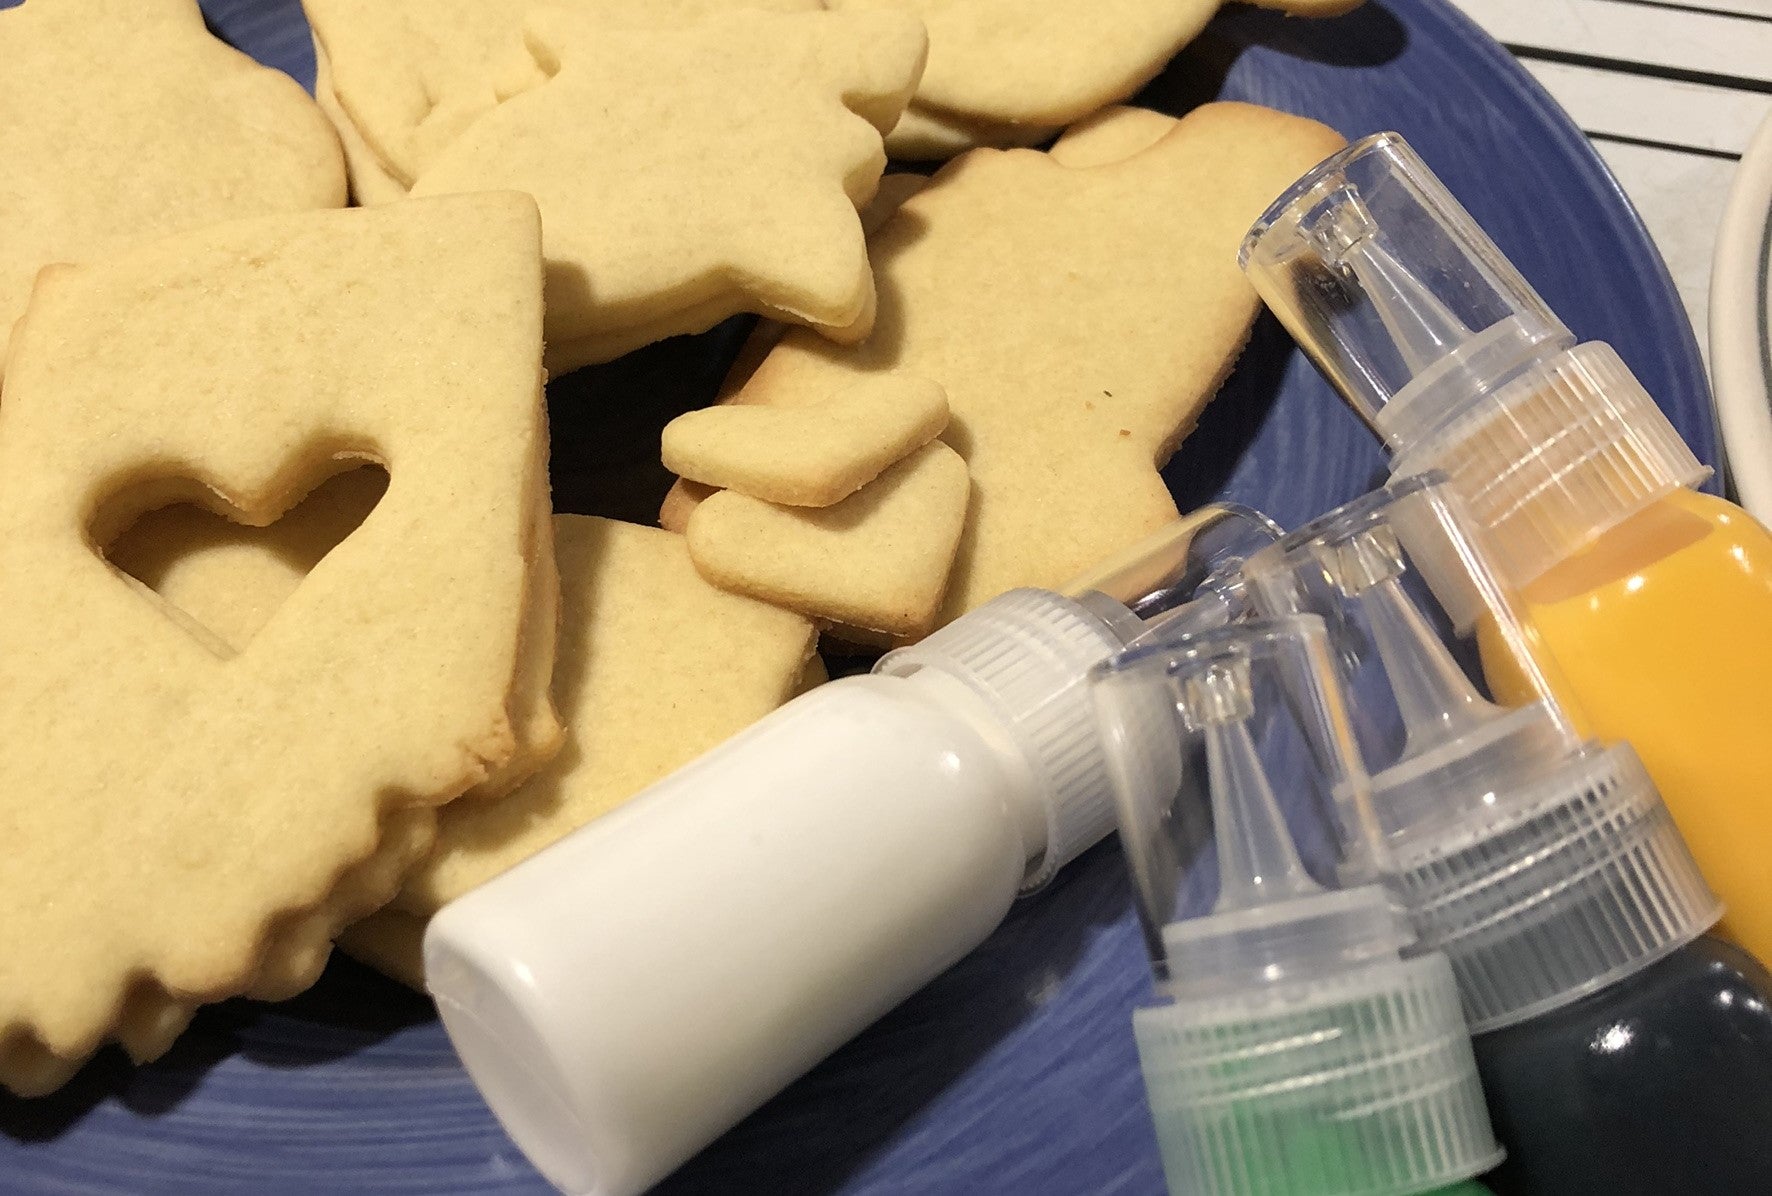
column 1661, row 635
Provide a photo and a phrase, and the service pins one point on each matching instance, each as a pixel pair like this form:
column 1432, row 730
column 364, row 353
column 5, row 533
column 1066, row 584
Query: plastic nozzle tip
column 1394, row 291
column 1241, row 702
column 1257, row 863
column 1424, row 329
column 1438, row 703
column 1543, row 867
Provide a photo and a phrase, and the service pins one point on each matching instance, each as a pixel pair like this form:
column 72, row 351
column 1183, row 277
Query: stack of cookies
column 195, row 807
column 292, row 644
column 1077, row 308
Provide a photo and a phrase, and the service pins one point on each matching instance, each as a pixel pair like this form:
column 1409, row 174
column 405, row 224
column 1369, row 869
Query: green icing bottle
column 1294, row 1050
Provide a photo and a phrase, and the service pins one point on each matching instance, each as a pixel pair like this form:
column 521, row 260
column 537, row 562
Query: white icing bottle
column 626, row 996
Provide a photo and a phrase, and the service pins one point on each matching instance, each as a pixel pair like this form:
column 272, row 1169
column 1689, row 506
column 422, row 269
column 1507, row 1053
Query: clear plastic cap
column 1439, row 343
column 1027, row 655
column 1196, row 562
column 1295, row 1048
column 1544, row 866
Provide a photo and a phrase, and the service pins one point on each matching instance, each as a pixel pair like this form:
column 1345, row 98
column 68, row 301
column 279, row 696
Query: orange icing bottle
column 1662, row 630
column 1653, row 601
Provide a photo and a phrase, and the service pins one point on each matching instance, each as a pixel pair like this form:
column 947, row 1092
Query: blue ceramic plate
column 1013, row 1072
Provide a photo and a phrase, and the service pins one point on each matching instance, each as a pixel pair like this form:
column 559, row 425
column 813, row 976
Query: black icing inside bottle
column 1658, row 1085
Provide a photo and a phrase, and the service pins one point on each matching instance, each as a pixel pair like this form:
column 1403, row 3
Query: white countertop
column 1669, row 91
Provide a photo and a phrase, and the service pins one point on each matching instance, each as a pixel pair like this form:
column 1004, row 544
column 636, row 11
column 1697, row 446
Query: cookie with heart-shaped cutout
column 297, row 948
column 229, row 580
column 185, row 818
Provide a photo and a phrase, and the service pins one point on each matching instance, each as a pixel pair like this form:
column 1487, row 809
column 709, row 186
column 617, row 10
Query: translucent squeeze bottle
column 624, row 997
column 1655, row 599
column 1296, row 1047
column 1623, row 1049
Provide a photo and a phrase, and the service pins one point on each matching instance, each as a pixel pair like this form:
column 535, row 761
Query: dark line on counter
column 1702, row 151
column 1701, row 9
column 1649, row 70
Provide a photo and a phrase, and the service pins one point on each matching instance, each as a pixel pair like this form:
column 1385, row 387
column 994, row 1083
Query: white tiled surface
column 1669, row 90
column 1680, row 197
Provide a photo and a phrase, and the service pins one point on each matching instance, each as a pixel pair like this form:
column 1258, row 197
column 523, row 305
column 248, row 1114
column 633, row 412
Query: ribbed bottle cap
column 1352, row 1085
column 1560, row 455
column 1028, row 654
column 1578, row 881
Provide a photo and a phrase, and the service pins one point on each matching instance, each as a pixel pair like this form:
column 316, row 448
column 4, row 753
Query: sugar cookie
column 459, row 96
column 371, row 182
column 151, row 1018
column 231, row 579
column 234, row 366
column 1107, row 136
column 566, row 356
column 894, row 190
column 931, row 135
column 809, row 456
column 123, row 120
column 392, row 942
column 878, row 560
column 1010, row 72
column 1111, row 135
column 680, row 503
column 411, row 75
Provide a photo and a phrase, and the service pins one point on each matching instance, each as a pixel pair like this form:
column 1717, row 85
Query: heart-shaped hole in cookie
column 229, row 578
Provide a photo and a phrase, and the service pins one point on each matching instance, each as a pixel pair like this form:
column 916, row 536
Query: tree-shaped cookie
column 1078, row 317
column 1011, row 72
column 122, row 120
column 186, row 821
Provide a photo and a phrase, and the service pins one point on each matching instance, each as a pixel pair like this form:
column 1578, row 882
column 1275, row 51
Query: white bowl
column 1740, row 332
